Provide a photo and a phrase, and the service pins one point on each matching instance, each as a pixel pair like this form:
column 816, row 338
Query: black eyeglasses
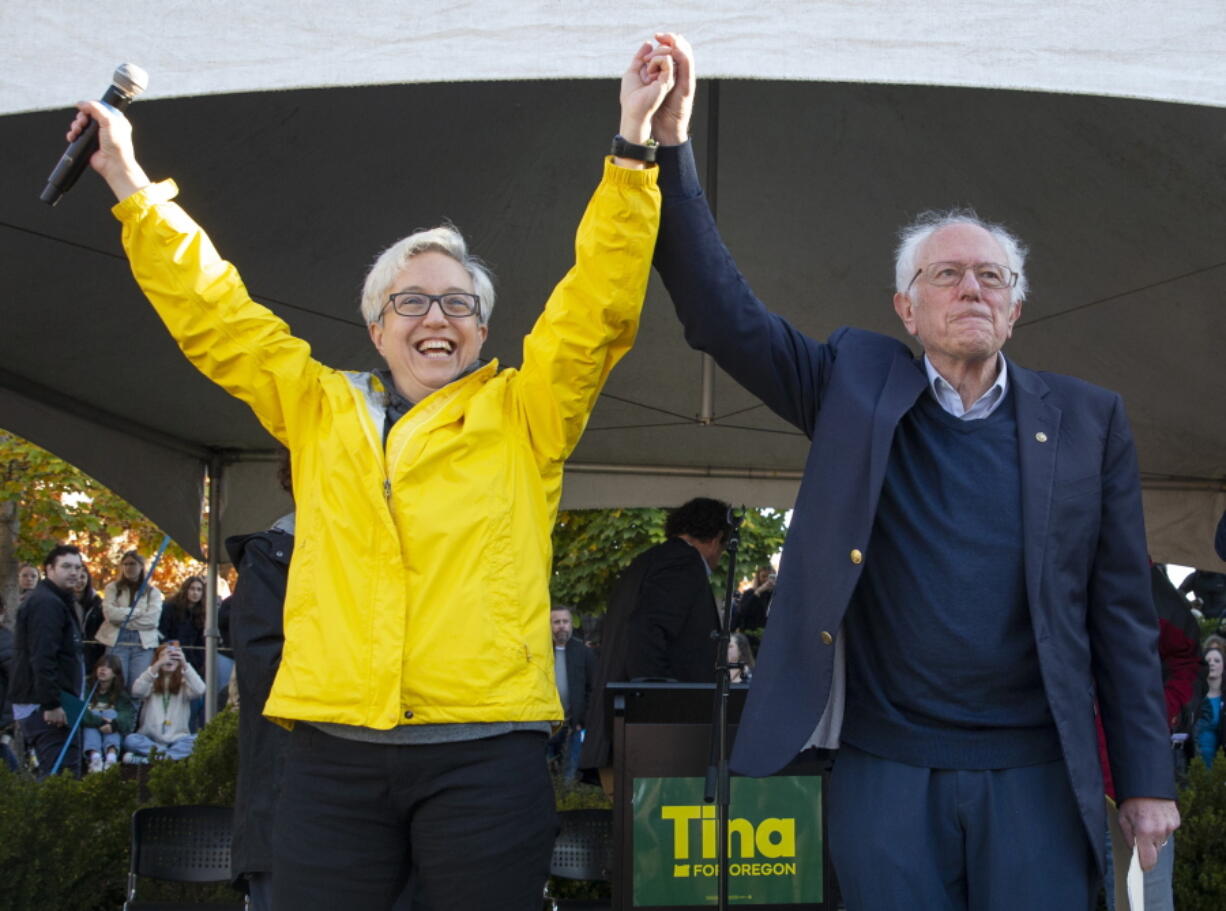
column 453, row 304
column 947, row 274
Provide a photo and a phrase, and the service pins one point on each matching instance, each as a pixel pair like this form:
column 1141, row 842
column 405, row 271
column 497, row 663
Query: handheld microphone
column 128, row 82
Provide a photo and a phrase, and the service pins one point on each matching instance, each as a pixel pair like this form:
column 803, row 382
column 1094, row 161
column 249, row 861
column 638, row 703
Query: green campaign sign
column 774, row 842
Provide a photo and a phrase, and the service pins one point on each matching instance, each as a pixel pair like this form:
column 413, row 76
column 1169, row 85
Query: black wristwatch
column 624, row 148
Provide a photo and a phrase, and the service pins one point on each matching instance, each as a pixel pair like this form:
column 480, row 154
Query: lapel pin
column 1041, row 437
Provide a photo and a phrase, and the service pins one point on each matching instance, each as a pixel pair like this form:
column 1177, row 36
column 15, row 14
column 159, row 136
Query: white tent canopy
column 307, row 136
column 1136, row 49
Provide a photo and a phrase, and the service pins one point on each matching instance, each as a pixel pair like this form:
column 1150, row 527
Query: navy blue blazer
column 1086, row 570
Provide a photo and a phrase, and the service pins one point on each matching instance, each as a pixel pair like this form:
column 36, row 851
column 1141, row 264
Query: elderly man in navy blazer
column 964, row 583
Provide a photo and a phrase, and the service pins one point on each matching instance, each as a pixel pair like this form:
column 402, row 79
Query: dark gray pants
column 905, row 837
column 473, row 822
column 47, row 741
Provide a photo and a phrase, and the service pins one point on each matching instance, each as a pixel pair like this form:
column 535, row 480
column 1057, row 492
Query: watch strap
column 624, row 148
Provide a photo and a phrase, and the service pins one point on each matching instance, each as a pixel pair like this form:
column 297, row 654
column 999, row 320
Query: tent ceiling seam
column 1113, row 297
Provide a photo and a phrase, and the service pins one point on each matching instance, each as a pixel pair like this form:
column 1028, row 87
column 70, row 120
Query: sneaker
column 130, row 758
column 95, row 762
column 110, row 760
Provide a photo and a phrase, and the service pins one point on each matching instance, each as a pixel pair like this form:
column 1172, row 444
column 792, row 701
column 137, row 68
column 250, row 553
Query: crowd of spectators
column 158, row 651
column 142, row 662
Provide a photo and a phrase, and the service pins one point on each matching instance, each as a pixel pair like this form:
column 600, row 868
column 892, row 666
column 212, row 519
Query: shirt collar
column 949, row 400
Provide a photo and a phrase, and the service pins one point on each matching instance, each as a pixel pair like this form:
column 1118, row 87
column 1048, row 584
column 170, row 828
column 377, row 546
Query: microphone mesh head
column 130, row 79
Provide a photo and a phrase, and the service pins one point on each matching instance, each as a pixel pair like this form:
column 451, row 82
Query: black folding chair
column 182, row 845
column 583, row 850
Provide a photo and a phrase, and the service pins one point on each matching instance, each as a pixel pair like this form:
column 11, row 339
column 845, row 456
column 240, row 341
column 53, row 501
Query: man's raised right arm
column 720, row 313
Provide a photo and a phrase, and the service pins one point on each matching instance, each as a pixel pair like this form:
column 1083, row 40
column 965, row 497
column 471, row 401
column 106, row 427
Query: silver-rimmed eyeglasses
column 453, row 304
column 947, row 274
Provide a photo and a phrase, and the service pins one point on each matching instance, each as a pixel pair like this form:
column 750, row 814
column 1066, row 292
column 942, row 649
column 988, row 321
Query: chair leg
column 131, row 890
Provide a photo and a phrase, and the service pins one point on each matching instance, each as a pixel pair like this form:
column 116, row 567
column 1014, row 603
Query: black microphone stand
column 717, row 785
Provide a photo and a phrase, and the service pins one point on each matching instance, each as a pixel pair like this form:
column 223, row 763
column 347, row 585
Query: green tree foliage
column 591, row 547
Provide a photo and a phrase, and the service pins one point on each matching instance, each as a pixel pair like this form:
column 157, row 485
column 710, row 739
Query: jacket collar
column 62, row 594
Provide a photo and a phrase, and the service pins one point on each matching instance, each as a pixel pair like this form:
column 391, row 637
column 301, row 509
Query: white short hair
column 913, row 236
column 445, row 239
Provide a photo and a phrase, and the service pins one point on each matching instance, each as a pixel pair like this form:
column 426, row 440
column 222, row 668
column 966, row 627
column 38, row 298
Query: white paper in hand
column 1136, row 882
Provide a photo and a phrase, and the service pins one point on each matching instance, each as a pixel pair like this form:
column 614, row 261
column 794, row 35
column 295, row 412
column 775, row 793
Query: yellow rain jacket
column 418, row 592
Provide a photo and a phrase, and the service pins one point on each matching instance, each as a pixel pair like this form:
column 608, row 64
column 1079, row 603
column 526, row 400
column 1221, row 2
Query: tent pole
column 215, row 472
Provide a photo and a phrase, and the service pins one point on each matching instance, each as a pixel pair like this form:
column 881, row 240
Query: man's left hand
column 671, row 123
column 1148, row 822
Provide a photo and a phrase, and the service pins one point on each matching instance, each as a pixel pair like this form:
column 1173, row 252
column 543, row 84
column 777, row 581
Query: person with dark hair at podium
column 661, row 615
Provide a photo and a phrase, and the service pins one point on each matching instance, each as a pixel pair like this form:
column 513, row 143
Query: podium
column 664, row 836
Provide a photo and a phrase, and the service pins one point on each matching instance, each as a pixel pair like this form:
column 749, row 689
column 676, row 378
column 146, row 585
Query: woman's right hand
column 115, row 159
column 644, row 86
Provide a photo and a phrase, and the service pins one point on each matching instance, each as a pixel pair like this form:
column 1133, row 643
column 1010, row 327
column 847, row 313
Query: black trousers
column 473, row 823
column 47, row 741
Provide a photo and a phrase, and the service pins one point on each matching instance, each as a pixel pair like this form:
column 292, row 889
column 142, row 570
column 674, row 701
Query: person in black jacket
column 575, row 673
column 662, row 614
column 257, row 635
column 183, row 620
column 89, row 603
column 48, row 660
column 6, row 709
column 263, row 561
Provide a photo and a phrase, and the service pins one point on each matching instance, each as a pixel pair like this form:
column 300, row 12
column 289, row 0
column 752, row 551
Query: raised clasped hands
column 645, row 85
column 671, row 123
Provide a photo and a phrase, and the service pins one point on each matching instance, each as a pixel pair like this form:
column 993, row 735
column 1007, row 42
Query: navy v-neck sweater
column 942, row 669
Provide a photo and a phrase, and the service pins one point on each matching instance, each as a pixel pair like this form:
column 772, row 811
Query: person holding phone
column 168, row 688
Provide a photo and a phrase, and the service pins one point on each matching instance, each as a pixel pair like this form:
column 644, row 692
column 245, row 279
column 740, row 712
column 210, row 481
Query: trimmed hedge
column 1200, row 861
column 64, row 842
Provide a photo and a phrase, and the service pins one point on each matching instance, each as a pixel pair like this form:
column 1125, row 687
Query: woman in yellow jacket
column 417, row 673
